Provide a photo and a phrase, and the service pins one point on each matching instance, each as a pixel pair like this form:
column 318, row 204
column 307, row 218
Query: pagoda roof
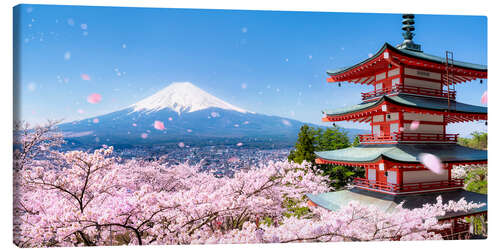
column 412, row 101
column 407, row 153
column 335, row 200
column 363, row 71
column 414, row 54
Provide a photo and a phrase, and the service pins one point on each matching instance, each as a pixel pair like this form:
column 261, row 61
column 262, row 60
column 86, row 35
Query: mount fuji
column 183, row 113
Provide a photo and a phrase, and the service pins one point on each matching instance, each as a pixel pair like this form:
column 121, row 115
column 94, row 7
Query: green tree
column 332, row 139
column 355, row 142
column 305, row 146
column 479, row 140
column 311, row 140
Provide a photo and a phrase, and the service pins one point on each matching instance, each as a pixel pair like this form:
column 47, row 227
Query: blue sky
column 267, row 62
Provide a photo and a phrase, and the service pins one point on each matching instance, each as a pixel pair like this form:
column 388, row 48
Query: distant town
column 220, row 160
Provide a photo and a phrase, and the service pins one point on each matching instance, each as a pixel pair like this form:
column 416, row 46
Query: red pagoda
column 409, row 87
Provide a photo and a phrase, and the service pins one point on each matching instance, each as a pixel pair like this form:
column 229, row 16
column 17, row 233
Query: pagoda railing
column 408, row 137
column 408, row 187
column 409, row 90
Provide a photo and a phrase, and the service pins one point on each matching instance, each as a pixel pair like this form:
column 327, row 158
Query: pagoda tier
column 391, row 117
column 391, row 62
column 395, row 168
column 388, row 203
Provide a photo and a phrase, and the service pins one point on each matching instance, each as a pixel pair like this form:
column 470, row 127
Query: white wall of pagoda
column 423, row 176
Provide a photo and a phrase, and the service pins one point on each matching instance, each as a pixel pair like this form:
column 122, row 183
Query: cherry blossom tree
column 94, row 198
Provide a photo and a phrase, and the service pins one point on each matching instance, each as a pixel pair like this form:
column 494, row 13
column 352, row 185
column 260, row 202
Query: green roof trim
column 430, row 103
column 407, row 153
column 414, row 54
column 335, row 200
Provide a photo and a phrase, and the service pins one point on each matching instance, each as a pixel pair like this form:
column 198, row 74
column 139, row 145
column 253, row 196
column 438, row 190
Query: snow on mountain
column 182, row 97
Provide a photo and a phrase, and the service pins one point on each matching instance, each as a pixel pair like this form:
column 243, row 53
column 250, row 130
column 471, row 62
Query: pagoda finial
column 408, row 28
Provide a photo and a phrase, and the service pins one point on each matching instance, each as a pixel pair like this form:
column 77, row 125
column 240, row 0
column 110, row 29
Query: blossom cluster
column 86, row 199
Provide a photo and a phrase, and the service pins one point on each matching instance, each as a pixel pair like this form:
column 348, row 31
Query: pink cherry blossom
column 78, row 198
column 431, row 162
column 94, row 98
column 144, row 135
column 85, row 77
column 239, row 144
column 181, row 144
column 159, row 125
column 95, row 120
column 484, row 97
column 134, row 124
column 414, row 125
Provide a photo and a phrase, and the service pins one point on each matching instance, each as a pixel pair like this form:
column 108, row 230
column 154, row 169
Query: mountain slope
column 188, row 114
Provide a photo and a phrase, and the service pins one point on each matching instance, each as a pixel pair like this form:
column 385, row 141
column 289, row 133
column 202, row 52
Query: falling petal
column 95, row 120
column 243, row 85
column 214, row 114
column 144, row 135
column 286, row 122
column 83, row 26
column 133, row 124
column 170, row 118
column 85, row 77
column 32, row 86
column 67, row 55
column 239, row 144
column 181, row 144
column 94, row 98
column 159, row 125
column 414, row 125
column 431, row 162
column 484, row 98
column 189, row 130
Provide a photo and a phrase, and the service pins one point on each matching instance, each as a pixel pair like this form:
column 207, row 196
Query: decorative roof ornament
column 408, row 34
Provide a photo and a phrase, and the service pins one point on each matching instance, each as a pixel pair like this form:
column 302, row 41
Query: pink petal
column 80, row 111
column 85, row 77
column 239, row 144
column 94, row 98
column 159, row 125
column 144, row 135
column 484, row 98
column 170, row 118
column 414, row 125
column 133, row 124
column 95, row 120
column 431, row 162
column 181, row 144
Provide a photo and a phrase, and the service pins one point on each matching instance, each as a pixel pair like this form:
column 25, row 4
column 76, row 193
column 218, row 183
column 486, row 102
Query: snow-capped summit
column 182, row 97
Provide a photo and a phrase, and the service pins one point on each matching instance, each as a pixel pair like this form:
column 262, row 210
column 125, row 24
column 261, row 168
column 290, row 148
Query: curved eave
column 357, row 112
column 464, row 71
column 401, row 153
column 366, row 61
